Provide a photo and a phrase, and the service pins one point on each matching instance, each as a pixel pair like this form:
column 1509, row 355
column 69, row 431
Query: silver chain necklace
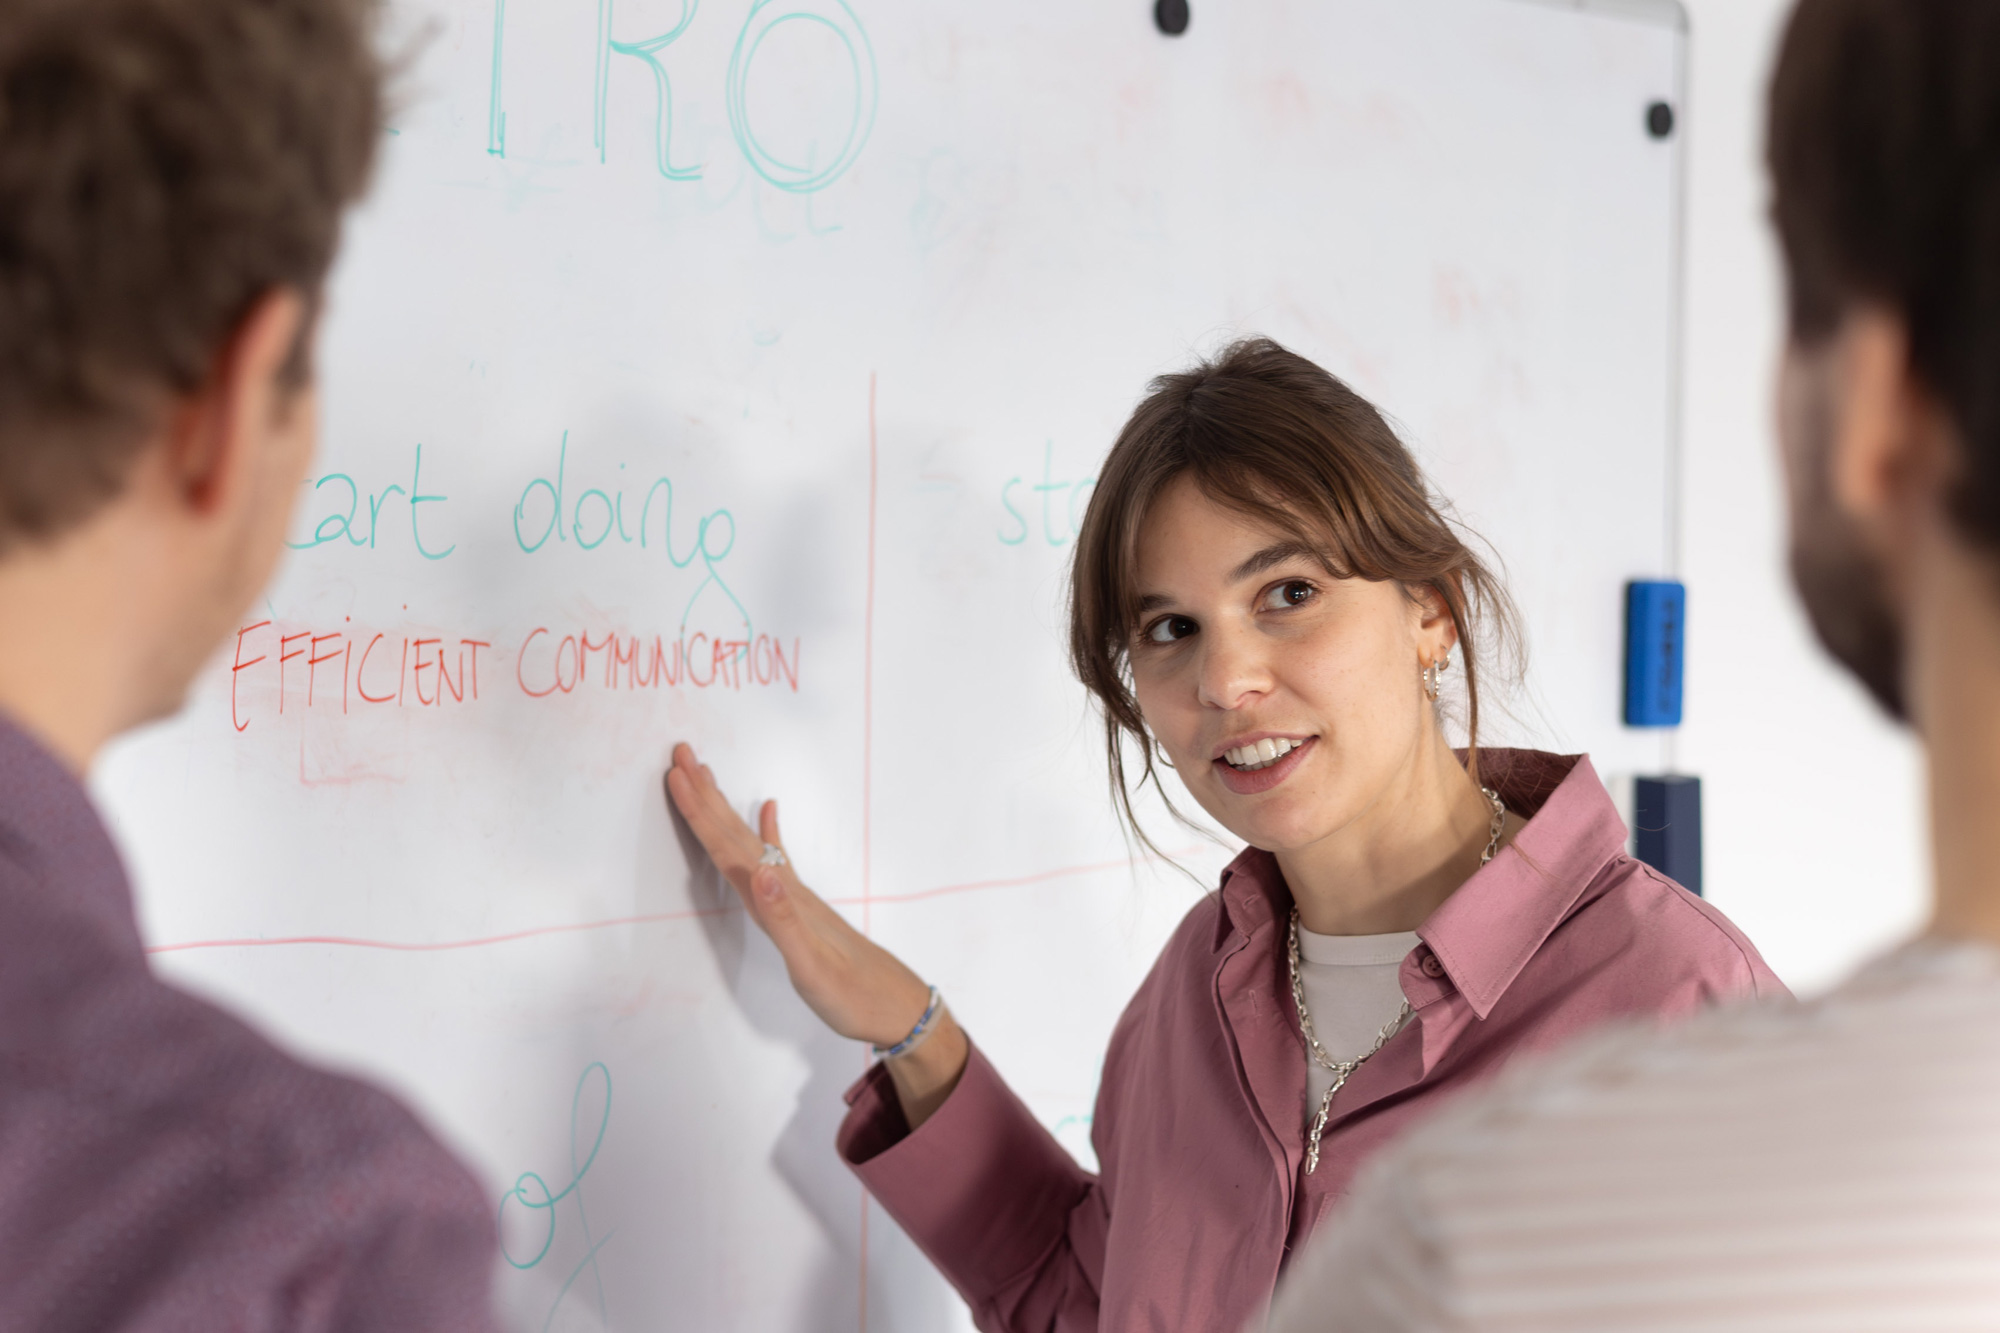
column 1342, row 1069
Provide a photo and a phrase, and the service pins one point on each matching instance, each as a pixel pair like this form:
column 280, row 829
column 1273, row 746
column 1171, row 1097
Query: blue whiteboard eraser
column 1655, row 631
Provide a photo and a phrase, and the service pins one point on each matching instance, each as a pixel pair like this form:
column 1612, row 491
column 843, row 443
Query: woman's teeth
column 1259, row 754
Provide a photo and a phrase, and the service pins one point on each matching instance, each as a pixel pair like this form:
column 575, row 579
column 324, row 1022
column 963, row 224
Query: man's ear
column 216, row 432
column 1890, row 443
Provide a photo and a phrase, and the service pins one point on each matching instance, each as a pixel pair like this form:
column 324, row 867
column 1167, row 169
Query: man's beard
column 1840, row 582
column 1842, row 591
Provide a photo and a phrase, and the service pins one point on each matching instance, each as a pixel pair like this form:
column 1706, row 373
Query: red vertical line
column 868, row 767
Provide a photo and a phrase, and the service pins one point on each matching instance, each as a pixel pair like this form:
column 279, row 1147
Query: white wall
column 1812, row 802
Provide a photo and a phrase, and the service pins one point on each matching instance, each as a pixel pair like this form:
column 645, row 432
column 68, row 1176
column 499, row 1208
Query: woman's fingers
column 857, row 987
column 779, row 884
column 806, row 907
column 714, row 820
column 729, row 841
column 693, row 803
column 737, row 849
column 777, row 910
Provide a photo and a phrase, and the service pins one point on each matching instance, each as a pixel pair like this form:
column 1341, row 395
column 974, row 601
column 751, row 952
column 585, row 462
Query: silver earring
column 1431, row 675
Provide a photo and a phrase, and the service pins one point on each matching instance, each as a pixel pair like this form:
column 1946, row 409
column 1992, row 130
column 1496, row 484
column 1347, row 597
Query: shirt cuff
column 982, row 1188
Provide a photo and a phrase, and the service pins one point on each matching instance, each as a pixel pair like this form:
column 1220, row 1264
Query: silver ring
column 773, row 856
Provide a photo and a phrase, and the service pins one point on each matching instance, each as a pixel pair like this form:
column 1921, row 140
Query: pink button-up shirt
column 1201, row 1116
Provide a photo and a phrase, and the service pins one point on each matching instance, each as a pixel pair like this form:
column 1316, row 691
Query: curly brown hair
column 163, row 165
column 1272, row 436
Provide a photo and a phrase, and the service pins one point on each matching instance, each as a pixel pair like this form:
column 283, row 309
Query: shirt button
column 1430, row 965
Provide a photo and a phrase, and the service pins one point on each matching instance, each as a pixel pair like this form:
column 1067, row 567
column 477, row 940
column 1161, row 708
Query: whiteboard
column 735, row 372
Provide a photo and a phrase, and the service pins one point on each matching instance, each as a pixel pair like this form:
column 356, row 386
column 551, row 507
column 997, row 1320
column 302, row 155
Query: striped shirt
column 1826, row 1166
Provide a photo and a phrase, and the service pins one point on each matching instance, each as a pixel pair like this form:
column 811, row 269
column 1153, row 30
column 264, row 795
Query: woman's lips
column 1263, row 779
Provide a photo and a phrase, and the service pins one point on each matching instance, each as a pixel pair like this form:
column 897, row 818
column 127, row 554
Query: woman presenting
column 1265, row 598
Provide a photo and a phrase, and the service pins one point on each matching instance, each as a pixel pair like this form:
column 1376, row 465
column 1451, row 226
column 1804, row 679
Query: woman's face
column 1245, row 639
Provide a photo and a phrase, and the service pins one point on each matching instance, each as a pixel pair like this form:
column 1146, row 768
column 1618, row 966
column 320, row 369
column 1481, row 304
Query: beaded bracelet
column 917, row 1033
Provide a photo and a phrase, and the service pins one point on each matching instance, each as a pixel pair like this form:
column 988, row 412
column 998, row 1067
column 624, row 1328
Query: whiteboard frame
column 1672, row 15
column 1665, row 13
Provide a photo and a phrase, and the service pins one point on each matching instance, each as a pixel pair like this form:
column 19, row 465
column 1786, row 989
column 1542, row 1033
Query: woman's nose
column 1233, row 670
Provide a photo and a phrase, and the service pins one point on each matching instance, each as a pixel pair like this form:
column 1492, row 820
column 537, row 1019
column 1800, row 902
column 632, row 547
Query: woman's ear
column 1437, row 630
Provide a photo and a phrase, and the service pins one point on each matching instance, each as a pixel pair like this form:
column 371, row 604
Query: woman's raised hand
column 858, row 988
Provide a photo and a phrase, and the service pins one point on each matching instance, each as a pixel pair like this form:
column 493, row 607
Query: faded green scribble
column 836, row 16
column 496, row 113
column 663, row 123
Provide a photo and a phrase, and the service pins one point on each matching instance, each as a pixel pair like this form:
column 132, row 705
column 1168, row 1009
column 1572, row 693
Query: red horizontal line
column 649, row 919
column 438, row 946
column 1015, row 883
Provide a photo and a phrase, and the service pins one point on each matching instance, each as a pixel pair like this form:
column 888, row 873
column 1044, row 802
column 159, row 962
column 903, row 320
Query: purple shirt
column 1200, row 1124
column 163, row 1167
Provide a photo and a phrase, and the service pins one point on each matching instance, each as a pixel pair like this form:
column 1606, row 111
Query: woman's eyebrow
column 1275, row 554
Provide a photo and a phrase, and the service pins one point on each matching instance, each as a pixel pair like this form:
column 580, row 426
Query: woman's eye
column 1291, row 593
column 1168, row 629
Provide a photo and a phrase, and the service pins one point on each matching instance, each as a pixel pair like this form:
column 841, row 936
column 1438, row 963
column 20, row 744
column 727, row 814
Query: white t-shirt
column 1352, row 990
column 1832, row 1166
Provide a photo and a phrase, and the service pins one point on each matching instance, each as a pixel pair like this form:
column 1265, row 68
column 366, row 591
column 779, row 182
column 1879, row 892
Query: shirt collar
column 1253, row 894
column 1483, row 939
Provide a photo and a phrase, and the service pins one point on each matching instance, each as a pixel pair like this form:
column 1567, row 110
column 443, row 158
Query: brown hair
column 1884, row 152
column 1271, row 435
column 163, row 165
